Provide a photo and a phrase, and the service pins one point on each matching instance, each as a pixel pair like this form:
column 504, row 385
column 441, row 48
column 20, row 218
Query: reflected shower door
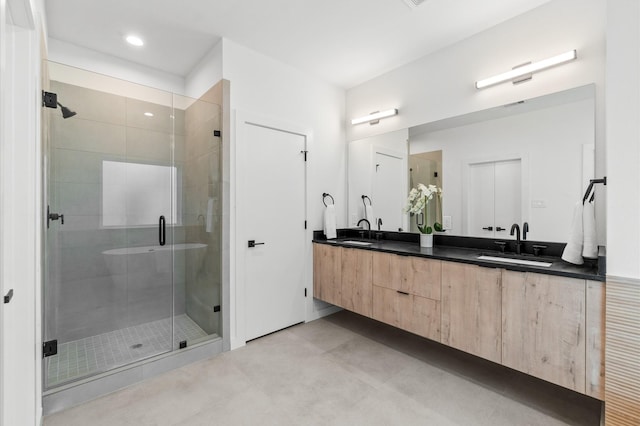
column 112, row 190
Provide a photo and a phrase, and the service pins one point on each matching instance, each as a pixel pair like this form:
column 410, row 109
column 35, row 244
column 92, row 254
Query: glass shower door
column 112, row 191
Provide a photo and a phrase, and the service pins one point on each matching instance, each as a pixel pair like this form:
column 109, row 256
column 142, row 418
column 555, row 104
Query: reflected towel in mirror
column 573, row 251
column 590, row 249
column 330, row 222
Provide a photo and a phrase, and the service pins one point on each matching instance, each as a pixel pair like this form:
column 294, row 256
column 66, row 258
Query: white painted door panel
column 481, row 200
column 508, row 198
column 494, row 198
column 387, row 199
column 275, row 179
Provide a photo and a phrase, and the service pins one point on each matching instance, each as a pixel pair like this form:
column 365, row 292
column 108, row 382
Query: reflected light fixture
column 148, row 114
column 134, row 40
column 375, row 116
column 527, row 69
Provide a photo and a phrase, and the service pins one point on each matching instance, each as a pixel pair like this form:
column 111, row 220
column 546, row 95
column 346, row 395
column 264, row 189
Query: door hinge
column 49, row 100
column 217, row 133
column 182, row 344
column 216, row 308
column 305, row 154
column 49, row 348
column 305, row 292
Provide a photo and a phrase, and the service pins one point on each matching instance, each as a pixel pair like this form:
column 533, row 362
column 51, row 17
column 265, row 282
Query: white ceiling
column 345, row 42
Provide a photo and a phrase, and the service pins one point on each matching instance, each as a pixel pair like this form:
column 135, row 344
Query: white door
column 508, row 198
column 494, row 198
column 388, row 197
column 274, row 185
column 481, row 200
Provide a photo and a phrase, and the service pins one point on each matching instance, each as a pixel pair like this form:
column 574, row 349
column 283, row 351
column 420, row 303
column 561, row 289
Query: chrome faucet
column 515, row 228
column 368, row 226
column 379, row 223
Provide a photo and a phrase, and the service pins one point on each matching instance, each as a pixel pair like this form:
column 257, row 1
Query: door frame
column 524, row 183
column 240, row 204
column 21, row 206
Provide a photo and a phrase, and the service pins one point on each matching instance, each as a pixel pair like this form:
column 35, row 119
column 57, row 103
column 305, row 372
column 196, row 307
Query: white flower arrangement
column 417, row 202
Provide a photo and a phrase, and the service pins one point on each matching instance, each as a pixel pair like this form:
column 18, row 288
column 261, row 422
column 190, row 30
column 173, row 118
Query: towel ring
column 365, row 204
column 325, row 195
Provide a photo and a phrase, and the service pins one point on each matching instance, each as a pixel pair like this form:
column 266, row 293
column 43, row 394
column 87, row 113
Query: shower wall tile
column 149, row 145
column 104, row 238
column 79, row 166
column 87, row 135
column 82, row 263
column 161, row 121
column 78, row 199
column 89, row 104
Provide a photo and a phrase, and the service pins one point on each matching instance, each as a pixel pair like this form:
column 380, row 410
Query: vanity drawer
column 414, row 314
column 409, row 274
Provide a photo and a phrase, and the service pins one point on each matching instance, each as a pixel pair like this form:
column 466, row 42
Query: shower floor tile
column 97, row 354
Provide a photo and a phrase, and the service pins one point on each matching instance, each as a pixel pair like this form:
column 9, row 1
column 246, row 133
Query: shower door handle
column 162, row 231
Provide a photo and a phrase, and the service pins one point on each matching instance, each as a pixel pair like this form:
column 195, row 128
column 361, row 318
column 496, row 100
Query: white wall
column 550, row 143
column 87, row 59
column 623, row 138
column 206, row 73
column 261, row 85
column 441, row 85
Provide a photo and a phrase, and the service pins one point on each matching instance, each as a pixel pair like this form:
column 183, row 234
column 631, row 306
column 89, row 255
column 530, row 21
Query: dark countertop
column 409, row 246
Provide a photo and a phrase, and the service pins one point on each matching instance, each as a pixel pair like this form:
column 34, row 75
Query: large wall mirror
column 525, row 162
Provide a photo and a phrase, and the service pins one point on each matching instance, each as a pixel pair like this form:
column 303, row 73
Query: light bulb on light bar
column 527, row 69
column 375, row 116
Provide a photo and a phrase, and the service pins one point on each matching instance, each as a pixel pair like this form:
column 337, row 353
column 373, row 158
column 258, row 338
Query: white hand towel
column 368, row 214
column 590, row 249
column 330, row 222
column 573, row 251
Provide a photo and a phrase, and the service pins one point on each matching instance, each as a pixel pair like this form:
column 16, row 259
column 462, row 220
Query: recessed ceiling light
column 148, row 114
column 134, row 40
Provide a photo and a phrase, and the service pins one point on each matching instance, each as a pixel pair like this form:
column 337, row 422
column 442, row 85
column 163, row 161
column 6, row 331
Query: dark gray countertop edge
column 469, row 256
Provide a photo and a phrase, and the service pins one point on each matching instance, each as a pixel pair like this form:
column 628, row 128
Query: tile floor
column 97, row 354
column 341, row 370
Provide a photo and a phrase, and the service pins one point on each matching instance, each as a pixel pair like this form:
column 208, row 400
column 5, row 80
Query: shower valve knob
column 56, row 216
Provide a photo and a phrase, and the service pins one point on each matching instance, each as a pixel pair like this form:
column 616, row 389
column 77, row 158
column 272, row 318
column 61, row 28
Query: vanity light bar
column 527, row 69
column 375, row 116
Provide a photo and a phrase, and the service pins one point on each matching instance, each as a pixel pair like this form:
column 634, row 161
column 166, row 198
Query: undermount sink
column 357, row 243
column 515, row 261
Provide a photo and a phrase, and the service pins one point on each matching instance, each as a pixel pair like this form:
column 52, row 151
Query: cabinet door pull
column 403, row 292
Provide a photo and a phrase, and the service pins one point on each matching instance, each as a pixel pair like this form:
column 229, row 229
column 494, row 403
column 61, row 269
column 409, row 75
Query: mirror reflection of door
column 387, row 201
column 494, row 198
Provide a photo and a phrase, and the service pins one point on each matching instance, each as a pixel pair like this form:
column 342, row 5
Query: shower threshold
column 97, row 354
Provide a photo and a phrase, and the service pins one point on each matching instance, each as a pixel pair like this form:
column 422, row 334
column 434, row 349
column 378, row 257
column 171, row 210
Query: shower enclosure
column 133, row 228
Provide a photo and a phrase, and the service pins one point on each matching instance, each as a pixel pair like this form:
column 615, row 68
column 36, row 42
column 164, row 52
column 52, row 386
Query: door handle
column 162, row 231
column 500, row 229
column 8, row 296
column 488, row 228
column 54, row 216
column 252, row 243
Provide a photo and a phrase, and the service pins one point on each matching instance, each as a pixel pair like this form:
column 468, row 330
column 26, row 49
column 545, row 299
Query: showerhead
column 66, row 112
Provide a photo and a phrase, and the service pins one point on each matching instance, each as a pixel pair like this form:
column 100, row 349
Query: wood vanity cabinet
column 357, row 287
column 471, row 309
column 327, row 273
column 543, row 327
column 406, row 293
column 342, row 277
